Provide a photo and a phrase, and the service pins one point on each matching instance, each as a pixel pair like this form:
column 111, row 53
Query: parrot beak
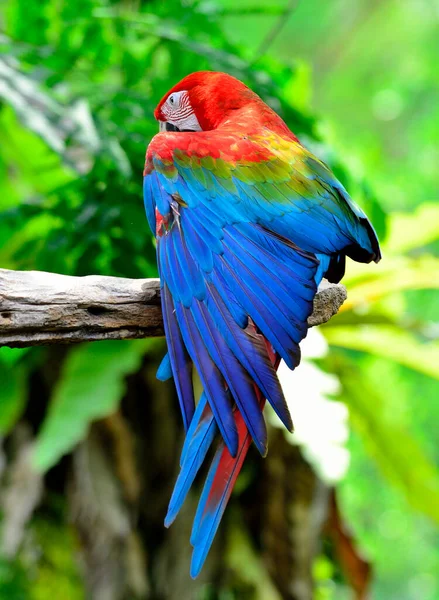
column 165, row 126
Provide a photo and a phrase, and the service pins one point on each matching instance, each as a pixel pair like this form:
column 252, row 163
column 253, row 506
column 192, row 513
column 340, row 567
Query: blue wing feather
column 178, row 358
column 210, row 376
column 249, row 349
column 240, row 259
column 234, row 374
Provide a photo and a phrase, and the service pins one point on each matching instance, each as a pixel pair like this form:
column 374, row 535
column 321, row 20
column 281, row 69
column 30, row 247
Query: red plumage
column 217, row 96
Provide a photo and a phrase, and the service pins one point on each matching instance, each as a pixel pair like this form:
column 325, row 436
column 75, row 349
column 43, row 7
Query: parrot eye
column 174, row 100
column 177, row 113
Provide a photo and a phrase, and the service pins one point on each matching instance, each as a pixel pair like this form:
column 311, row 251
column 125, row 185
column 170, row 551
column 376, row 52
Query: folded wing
column 245, row 230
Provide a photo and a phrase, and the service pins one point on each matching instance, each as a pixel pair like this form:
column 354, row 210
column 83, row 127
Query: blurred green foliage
column 90, row 371
column 56, row 576
column 79, row 82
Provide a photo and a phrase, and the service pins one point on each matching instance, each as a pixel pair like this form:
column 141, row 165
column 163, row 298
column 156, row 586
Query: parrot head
column 204, row 100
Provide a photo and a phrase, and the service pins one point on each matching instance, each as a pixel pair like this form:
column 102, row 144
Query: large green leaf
column 409, row 231
column 389, row 342
column 50, row 120
column 396, row 451
column 367, row 284
column 90, row 387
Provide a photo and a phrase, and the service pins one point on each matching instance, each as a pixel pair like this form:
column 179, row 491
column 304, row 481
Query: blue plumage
column 210, row 510
column 241, row 248
column 249, row 349
column 164, row 372
column 234, row 375
column 199, row 438
column 210, row 376
column 178, row 358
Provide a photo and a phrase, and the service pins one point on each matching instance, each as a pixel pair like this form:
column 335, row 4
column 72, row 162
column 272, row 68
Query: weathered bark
column 38, row 308
column 292, row 514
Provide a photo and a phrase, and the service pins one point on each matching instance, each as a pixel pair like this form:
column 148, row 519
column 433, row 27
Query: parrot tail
column 199, row 438
column 222, row 475
column 216, row 493
column 229, row 322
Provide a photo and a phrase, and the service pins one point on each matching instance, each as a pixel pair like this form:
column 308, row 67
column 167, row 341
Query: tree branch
column 38, row 308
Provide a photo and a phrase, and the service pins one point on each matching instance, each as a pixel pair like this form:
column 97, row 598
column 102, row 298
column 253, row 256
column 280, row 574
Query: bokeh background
column 89, row 440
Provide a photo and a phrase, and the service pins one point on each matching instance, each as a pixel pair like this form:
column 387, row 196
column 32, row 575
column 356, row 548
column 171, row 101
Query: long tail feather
column 218, row 488
column 203, row 416
column 219, row 484
column 199, row 438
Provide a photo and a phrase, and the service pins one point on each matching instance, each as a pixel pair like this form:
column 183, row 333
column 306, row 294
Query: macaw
column 247, row 223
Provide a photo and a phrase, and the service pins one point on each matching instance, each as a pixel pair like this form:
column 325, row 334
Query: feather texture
column 247, row 223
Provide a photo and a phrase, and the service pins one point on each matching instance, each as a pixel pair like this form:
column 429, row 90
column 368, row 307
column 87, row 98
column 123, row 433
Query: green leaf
column 396, row 451
column 90, row 387
column 34, row 230
column 50, row 120
column 367, row 283
column 388, row 342
column 409, row 231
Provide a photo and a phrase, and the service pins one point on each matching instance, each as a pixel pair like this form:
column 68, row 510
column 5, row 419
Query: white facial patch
column 178, row 111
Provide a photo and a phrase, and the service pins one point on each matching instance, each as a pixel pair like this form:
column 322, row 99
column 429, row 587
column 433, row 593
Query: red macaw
column 247, row 223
